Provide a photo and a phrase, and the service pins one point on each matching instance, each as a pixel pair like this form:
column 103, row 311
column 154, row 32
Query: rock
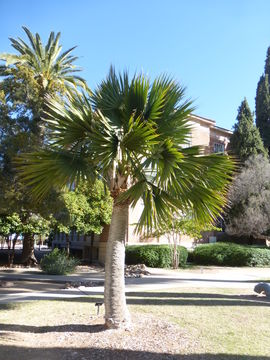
column 136, row 271
column 262, row 288
column 6, row 284
column 77, row 284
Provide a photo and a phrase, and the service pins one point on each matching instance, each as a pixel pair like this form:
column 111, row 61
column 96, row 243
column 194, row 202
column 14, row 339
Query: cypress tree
column 263, row 103
column 246, row 139
column 267, row 62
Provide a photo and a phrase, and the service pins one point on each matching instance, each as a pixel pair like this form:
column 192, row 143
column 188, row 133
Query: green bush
column 230, row 254
column 58, row 263
column 159, row 256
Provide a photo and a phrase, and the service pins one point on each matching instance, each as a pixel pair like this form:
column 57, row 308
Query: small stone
column 262, row 288
column 6, row 284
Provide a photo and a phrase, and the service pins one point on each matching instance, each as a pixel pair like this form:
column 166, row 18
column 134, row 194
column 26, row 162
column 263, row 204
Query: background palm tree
column 132, row 134
column 43, row 67
column 36, row 71
column 47, row 63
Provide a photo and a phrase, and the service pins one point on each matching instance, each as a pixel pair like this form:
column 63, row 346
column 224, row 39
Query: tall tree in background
column 249, row 196
column 263, row 103
column 26, row 79
column 38, row 70
column 246, row 139
column 133, row 140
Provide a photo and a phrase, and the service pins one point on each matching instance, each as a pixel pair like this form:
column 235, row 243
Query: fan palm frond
column 134, row 132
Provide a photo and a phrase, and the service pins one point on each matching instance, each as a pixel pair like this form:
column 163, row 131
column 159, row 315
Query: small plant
column 58, row 263
column 159, row 256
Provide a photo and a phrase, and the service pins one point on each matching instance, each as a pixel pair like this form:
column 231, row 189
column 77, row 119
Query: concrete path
column 31, row 284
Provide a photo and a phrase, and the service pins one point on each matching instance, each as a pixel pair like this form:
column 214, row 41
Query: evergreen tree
column 263, row 103
column 246, row 139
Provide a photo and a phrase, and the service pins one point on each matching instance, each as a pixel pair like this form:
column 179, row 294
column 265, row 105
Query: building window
column 219, row 148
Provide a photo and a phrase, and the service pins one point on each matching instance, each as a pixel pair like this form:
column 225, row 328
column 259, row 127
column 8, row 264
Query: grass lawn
column 188, row 324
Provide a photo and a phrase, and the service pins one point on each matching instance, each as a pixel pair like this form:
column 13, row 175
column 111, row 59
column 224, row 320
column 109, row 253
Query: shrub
column 230, row 254
column 58, row 263
column 159, row 256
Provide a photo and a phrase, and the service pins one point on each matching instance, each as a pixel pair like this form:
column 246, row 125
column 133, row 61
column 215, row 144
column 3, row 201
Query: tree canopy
column 85, row 209
column 246, row 140
column 263, row 103
column 249, row 196
column 135, row 131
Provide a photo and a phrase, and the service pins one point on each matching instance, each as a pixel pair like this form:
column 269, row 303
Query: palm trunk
column 116, row 312
column 28, row 254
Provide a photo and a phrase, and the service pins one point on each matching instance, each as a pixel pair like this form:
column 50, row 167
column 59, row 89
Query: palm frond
column 46, row 169
column 46, row 61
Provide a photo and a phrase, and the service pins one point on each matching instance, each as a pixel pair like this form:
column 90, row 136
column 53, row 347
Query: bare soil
column 148, row 338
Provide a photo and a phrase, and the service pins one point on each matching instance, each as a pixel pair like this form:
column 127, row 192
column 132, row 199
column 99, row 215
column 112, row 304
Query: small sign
column 212, row 239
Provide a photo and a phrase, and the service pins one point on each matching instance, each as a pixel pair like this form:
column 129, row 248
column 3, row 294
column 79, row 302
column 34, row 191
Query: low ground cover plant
column 230, row 254
column 159, row 256
column 58, row 263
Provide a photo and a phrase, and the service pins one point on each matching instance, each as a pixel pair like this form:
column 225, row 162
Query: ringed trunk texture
column 116, row 312
column 28, row 255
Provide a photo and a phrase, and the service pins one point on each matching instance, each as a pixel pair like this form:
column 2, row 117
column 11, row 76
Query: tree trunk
column 28, row 255
column 67, row 245
column 175, row 252
column 91, row 247
column 13, row 249
column 116, row 312
column 9, row 247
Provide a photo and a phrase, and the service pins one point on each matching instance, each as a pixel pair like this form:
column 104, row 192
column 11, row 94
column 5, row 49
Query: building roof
column 210, row 122
column 223, row 129
column 203, row 119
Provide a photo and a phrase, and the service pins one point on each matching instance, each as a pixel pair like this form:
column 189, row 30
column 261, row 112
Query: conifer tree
column 263, row 103
column 246, row 139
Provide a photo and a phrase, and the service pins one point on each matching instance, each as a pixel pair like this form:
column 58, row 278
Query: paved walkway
column 33, row 285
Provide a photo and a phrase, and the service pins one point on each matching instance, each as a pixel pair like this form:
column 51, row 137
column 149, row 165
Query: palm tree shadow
column 58, row 353
column 92, row 328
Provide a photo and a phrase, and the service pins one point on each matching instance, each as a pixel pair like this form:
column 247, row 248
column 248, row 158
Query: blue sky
column 216, row 48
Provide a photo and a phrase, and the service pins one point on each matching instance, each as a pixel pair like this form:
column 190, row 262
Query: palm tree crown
column 132, row 134
column 50, row 68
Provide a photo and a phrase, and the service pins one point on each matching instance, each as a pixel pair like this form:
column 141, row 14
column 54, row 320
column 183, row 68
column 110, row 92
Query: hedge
column 230, row 254
column 159, row 256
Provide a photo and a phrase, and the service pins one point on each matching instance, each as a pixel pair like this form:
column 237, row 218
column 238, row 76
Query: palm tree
column 132, row 134
column 39, row 71
column 36, row 71
column 53, row 72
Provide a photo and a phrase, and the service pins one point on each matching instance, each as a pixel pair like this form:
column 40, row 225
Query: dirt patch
column 89, row 340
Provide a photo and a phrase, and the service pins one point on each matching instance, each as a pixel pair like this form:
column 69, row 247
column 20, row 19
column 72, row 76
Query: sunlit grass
column 223, row 321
